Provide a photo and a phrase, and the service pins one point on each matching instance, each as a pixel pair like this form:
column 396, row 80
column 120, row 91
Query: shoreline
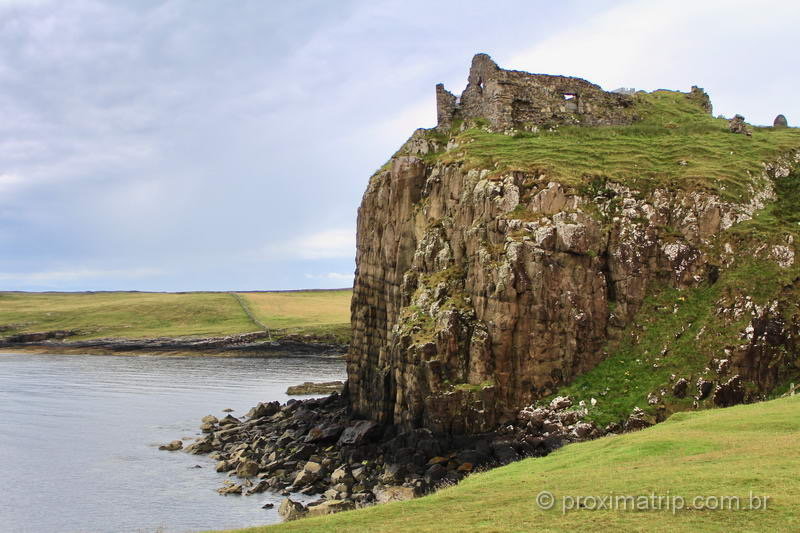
column 245, row 345
column 316, row 447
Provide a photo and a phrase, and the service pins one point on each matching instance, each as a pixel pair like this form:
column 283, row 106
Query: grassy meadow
column 303, row 312
column 196, row 314
column 714, row 453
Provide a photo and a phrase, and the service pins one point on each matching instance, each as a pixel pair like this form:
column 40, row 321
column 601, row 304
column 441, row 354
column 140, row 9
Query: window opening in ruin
column 571, row 101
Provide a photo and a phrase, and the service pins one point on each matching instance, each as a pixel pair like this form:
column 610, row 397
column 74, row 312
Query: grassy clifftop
column 711, row 454
column 676, row 144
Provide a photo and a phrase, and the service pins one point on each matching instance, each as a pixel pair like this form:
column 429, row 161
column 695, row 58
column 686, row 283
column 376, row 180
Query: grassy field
column 125, row 314
column 714, row 453
column 148, row 315
column 303, row 312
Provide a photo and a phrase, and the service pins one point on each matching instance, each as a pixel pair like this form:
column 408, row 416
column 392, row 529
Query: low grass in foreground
column 319, row 313
column 124, row 314
column 714, row 453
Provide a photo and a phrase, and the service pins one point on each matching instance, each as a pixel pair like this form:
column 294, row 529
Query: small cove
column 80, row 437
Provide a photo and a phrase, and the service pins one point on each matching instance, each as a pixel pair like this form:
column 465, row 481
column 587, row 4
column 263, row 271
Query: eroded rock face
column 477, row 293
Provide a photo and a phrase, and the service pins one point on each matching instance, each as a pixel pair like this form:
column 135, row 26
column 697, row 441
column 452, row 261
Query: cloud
column 44, row 278
column 231, row 145
column 334, row 276
column 735, row 49
column 9, row 182
column 335, row 243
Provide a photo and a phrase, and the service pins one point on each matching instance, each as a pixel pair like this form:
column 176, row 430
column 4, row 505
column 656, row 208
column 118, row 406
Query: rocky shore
column 315, row 447
column 309, row 387
column 253, row 344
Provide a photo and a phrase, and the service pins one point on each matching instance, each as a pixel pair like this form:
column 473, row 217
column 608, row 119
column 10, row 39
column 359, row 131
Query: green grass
column 675, row 332
column 719, row 452
column 125, row 314
column 678, row 331
column 318, row 313
column 149, row 315
column 644, row 155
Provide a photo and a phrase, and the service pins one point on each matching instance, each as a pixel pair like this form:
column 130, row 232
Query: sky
column 175, row 145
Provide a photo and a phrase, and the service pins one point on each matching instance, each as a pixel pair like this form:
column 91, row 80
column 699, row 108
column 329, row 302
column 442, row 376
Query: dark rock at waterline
column 172, row 446
column 247, row 468
column 325, row 433
column 314, row 447
column 309, row 387
column 358, row 433
column 291, row 510
column 230, row 488
column 256, row 343
column 263, row 409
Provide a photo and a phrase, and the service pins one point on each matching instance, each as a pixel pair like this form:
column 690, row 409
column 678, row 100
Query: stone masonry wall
column 514, row 99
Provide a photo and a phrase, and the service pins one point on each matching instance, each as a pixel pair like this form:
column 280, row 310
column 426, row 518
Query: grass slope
column 718, row 452
column 125, row 314
column 148, row 315
column 679, row 331
column 318, row 313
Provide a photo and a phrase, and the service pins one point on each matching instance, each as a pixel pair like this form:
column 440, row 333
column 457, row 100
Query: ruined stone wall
column 514, row 99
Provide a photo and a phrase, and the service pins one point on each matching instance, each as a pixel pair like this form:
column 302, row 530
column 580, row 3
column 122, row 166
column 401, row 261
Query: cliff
column 614, row 245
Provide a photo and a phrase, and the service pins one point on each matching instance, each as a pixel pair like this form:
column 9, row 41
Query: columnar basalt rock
column 514, row 99
column 462, row 314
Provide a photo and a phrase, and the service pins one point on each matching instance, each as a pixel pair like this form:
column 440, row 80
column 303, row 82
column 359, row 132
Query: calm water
column 79, row 437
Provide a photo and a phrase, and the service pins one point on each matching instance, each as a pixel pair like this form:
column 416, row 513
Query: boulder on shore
column 394, row 494
column 330, row 507
column 291, row 510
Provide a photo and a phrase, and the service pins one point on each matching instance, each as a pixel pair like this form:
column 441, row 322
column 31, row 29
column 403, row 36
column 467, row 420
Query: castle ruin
column 514, row 99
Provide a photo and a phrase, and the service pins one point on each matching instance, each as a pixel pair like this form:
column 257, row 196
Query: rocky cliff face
column 479, row 290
